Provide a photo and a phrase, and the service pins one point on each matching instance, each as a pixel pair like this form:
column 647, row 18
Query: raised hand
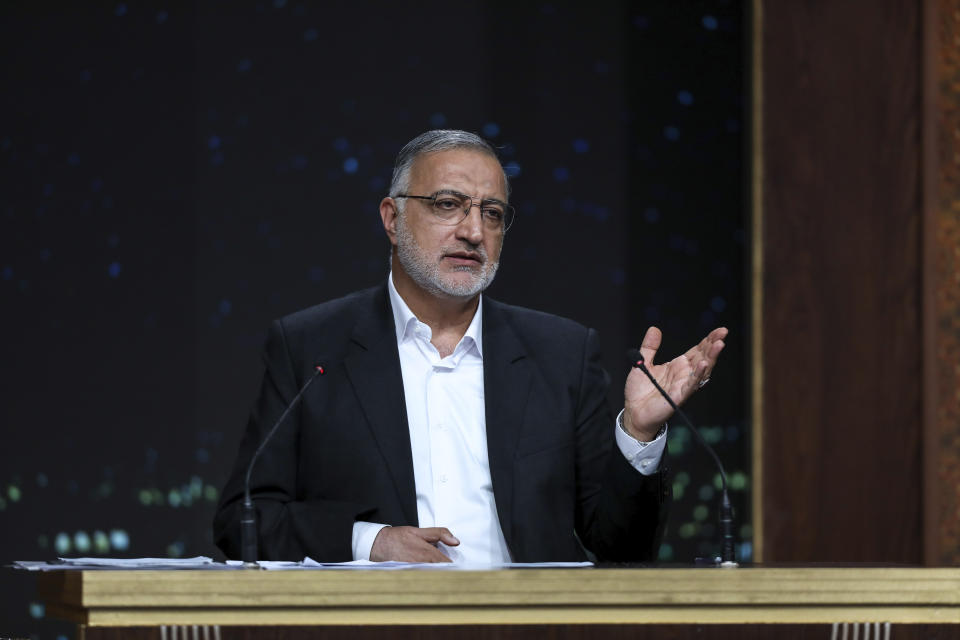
column 411, row 544
column 645, row 410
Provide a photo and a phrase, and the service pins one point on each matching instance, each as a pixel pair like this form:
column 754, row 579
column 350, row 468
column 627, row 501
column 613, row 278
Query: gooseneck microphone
column 248, row 515
column 727, row 557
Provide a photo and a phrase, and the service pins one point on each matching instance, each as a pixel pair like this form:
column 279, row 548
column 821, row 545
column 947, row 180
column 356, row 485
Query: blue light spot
column 341, row 144
column 601, row 67
column 350, row 165
column 263, row 228
column 651, row 214
column 119, row 539
column 42, row 480
column 718, row 304
column 311, row 35
column 202, row 455
column 491, row 130
column 81, row 541
column 243, row 120
column 216, row 158
column 709, row 23
column 213, row 142
column 671, row 133
column 96, row 185
column 618, row 277
column 225, row 307
column 507, row 150
column 299, row 162
column 121, row 10
column 85, row 75
column 561, row 174
column 36, row 610
column 244, row 65
column 5, row 144
column 317, row 274
column 438, row 120
column 685, row 98
column 279, row 4
column 8, row 273
column 114, row 270
column 73, row 159
column 581, row 146
column 377, row 183
column 512, row 169
column 62, row 543
column 45, row 255
column 162, row 17
column 641, row 22
column 107, row 202
column 47, row 190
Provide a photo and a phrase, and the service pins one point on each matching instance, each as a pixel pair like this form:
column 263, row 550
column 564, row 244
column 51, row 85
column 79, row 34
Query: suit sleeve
column 621, row 513
column 290, row 527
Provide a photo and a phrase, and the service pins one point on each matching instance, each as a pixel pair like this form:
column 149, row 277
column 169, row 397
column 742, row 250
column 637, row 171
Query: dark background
column 172, row 178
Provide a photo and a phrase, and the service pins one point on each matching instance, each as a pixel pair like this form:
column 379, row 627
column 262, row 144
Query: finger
column 651, row 342
column 438, row 534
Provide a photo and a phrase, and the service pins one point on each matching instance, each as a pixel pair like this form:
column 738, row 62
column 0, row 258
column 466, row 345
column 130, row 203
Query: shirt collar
column 405, row 322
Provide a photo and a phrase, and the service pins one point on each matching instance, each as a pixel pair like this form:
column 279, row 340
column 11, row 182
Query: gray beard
column 427, row 275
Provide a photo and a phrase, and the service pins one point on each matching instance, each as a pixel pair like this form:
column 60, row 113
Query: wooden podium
column 567, row 602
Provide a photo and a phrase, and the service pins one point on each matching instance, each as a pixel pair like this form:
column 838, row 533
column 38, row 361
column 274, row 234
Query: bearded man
column 448, row 426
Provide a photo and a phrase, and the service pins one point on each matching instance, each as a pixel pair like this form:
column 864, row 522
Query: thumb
column 439, row 534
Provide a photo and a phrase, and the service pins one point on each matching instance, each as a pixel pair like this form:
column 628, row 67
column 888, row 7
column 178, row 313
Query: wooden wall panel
column 841, row 212
column 942, row 283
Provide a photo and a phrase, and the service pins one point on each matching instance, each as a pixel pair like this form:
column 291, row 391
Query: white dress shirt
column 448, row 439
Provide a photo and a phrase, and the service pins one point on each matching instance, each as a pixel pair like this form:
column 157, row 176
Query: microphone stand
column 248, row 515
column 727, row 555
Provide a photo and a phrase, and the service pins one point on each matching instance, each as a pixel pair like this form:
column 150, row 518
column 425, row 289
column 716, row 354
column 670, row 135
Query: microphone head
column 635, row 357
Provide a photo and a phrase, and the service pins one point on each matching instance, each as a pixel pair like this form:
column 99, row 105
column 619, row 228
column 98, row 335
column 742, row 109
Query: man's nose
column 471, row 227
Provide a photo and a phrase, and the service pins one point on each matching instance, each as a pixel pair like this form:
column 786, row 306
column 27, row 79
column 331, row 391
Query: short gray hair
column 432, row 142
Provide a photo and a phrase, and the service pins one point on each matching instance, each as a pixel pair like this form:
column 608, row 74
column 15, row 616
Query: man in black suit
column 447, row 425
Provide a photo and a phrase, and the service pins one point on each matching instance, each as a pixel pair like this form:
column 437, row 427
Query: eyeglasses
column 450, row 208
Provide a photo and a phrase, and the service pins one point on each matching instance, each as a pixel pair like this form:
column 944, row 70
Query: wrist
column 647, row 434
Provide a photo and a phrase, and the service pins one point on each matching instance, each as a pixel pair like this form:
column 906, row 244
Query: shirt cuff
column 364, row 533
column 642, row 456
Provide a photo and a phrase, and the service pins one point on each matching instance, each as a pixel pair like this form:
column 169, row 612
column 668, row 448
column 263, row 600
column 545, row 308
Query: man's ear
column 389, row 213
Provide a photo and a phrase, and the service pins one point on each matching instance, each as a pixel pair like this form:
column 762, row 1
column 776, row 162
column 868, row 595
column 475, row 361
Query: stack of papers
column 203, row 562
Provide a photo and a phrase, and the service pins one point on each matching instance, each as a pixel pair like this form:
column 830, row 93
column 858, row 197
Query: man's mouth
column 464, row 258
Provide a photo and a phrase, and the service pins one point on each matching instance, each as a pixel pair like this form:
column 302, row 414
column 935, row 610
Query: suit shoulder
column 533, row 322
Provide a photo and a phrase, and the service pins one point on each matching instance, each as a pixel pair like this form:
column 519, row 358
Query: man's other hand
column 411, row 544
column 645, row 408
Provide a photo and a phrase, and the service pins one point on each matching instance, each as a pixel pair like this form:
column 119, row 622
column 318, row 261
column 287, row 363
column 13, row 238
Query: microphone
column 727, row 556
column 248, row 516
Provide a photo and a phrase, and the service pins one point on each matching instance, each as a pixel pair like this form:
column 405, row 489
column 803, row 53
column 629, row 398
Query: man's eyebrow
column 451, row 192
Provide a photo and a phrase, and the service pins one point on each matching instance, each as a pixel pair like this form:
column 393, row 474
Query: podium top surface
column 534, row 596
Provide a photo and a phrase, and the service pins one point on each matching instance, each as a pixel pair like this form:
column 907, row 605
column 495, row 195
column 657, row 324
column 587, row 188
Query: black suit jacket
column 344, row 454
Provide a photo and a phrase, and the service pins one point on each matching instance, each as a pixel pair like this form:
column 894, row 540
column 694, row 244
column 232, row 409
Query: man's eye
column 493, row 213
column 447, row 204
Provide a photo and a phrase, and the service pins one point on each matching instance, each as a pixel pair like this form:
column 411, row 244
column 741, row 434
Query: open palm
column 645, row 409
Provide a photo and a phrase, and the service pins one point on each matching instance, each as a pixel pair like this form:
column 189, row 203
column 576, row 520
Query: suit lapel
column 374, row 372
column 506, row 382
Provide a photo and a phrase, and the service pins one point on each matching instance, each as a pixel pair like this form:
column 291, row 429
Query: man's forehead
column 465, row 166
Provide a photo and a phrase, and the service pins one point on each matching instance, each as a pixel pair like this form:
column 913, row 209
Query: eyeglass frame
column 509, row 211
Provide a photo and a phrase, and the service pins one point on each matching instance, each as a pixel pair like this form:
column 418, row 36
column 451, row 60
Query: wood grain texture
column 942, row 282
column 841, row 350
column 598, row 596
